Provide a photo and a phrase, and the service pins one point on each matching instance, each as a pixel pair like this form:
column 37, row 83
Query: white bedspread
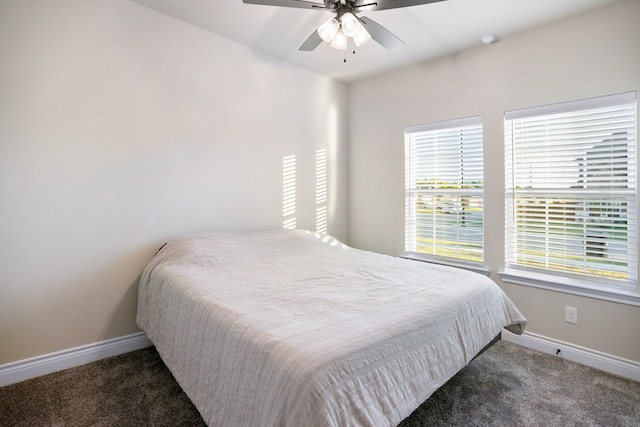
column 290, row 328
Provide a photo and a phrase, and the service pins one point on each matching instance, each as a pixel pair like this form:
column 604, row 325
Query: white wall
column 121, row 128
column 586, row 56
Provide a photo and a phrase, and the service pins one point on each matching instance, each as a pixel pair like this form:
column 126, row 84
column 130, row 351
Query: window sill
column 570, row 286
column 477, row 268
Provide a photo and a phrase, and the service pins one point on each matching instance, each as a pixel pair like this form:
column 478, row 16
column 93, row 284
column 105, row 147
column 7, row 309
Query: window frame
column 622, row 291
column 409, row 218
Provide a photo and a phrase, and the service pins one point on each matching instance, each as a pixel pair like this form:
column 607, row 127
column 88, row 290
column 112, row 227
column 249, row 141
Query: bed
column 294, row 328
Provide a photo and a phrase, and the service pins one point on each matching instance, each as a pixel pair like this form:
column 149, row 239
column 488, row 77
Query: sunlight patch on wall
column 289, row 192
column 321, row 190
column 336, row 157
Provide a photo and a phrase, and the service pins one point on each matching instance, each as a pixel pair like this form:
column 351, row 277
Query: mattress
column 293, row 328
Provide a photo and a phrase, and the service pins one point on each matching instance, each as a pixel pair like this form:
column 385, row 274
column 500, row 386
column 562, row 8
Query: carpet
column 508, row 385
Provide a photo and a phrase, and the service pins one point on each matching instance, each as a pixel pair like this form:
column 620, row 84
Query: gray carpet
column 506, row 386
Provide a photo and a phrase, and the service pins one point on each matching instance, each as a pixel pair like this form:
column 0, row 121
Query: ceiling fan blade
column 311, row 43
column 361, row 5
column 381, row 35
column 302, row 4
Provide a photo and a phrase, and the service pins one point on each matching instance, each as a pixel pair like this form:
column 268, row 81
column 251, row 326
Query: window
column 571, row 210
column 444, row 190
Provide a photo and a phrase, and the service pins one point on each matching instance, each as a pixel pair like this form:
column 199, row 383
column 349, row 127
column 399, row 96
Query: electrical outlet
column 570, row 314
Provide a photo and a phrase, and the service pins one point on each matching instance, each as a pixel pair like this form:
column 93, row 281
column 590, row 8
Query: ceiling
column 429, row 31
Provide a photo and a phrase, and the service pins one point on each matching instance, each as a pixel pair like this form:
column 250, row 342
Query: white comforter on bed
column 290, row 328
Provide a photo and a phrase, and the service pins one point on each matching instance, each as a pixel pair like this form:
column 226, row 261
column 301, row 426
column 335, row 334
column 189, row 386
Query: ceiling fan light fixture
column 350, row 24
column 339, row 41
column 362, row 36
column 328, row 30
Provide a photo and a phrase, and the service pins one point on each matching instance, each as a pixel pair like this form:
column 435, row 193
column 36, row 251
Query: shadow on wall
column 122, row 317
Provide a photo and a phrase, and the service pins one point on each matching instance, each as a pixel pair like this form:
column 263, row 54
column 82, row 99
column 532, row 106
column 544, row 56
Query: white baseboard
column 605, row 362
column 22, row 370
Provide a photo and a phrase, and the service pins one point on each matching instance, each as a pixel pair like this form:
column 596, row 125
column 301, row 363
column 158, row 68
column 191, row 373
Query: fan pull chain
column 345, row 52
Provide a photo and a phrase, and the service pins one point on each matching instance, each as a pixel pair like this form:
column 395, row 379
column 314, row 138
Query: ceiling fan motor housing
column 340, row 7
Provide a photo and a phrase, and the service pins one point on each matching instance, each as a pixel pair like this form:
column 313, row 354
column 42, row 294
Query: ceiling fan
column 346, row 24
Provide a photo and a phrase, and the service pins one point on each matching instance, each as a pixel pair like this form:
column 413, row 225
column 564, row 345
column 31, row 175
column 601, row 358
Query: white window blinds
column 571, row 192
column 444, row 182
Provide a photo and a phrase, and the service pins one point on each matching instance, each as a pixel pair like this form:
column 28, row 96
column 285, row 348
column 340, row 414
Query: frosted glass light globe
column 350, row 24
column 362, row 36
column 339, row 41
column 328, row 30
